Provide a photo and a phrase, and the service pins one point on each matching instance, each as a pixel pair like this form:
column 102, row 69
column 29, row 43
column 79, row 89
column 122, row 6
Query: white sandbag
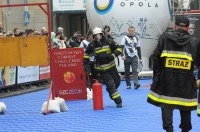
column 63, row 106
column 89, row 94
column 53, row 107
column 2, row 107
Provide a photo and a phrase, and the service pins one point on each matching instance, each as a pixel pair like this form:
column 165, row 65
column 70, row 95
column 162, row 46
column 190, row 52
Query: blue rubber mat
column 23, row 114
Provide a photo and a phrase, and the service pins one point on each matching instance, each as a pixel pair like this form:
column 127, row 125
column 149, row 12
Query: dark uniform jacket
column 105, row 52
column 174, row 84
column 74, row 43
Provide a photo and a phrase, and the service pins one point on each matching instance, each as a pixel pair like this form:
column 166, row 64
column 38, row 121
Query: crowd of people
column 27, row 33
column 60, row 41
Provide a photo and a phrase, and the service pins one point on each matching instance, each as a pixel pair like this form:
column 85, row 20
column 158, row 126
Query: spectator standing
column 16, row 32
column 30, row 33
column 75, row 41
column 53, row 35
column 22, row 34
column 63, row 37
column 60, row 29
column 44, row 31
column 1, row 28
column 132, row 56
column 85, row 42
column 174, row 84
column 36, row 33
column 106, row 31
column 9, row 34
column 57, row 43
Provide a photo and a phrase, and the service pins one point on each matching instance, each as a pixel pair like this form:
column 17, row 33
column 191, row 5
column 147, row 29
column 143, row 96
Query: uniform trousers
column 133, row 63
column 167, row 118
column 112, row 81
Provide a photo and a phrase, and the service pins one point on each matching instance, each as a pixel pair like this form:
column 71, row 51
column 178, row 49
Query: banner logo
column 103, row 9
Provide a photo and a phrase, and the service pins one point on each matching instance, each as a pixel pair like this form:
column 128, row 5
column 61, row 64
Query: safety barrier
column 13, row 75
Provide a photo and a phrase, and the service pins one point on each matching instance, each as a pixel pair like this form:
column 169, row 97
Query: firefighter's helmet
column 97, row 30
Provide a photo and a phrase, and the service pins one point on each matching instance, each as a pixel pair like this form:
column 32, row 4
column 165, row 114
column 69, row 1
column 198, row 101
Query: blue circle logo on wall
column 103, row 9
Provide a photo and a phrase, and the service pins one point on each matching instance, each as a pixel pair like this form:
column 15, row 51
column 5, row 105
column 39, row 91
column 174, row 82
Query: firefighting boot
column 184, row 131
column 119, row 105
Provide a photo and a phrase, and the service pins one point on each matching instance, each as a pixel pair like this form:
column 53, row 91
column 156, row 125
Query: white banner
column 28, row 74
column 186, row 4
column 69, row 5
column 7, row 76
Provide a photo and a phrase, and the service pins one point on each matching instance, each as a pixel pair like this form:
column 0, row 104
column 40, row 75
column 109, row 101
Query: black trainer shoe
column 128, row 87
column 137, row 86
column 119, row 105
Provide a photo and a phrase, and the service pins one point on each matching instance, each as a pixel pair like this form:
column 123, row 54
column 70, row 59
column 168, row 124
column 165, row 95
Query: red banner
column 69, row 79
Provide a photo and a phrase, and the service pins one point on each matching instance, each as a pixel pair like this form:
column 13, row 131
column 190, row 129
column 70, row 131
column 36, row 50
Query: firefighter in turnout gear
column 198, row 79
column 105, row 52
column 198, row 85
column 174, row 84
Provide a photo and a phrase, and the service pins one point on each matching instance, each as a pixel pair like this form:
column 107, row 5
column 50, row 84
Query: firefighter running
column 105, row 52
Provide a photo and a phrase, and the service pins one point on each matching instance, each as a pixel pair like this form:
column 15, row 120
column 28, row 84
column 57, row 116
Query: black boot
column 169, row 131
column 119, row 105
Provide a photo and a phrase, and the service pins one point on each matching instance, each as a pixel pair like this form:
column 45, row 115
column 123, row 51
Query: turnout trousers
column 112, row 81
column 167, row 118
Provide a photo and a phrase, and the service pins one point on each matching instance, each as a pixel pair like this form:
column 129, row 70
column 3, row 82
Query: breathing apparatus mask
column 97, row 32
column 97, row 37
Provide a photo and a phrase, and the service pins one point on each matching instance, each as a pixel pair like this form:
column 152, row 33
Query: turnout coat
column 174, row 84
column 105, row 52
